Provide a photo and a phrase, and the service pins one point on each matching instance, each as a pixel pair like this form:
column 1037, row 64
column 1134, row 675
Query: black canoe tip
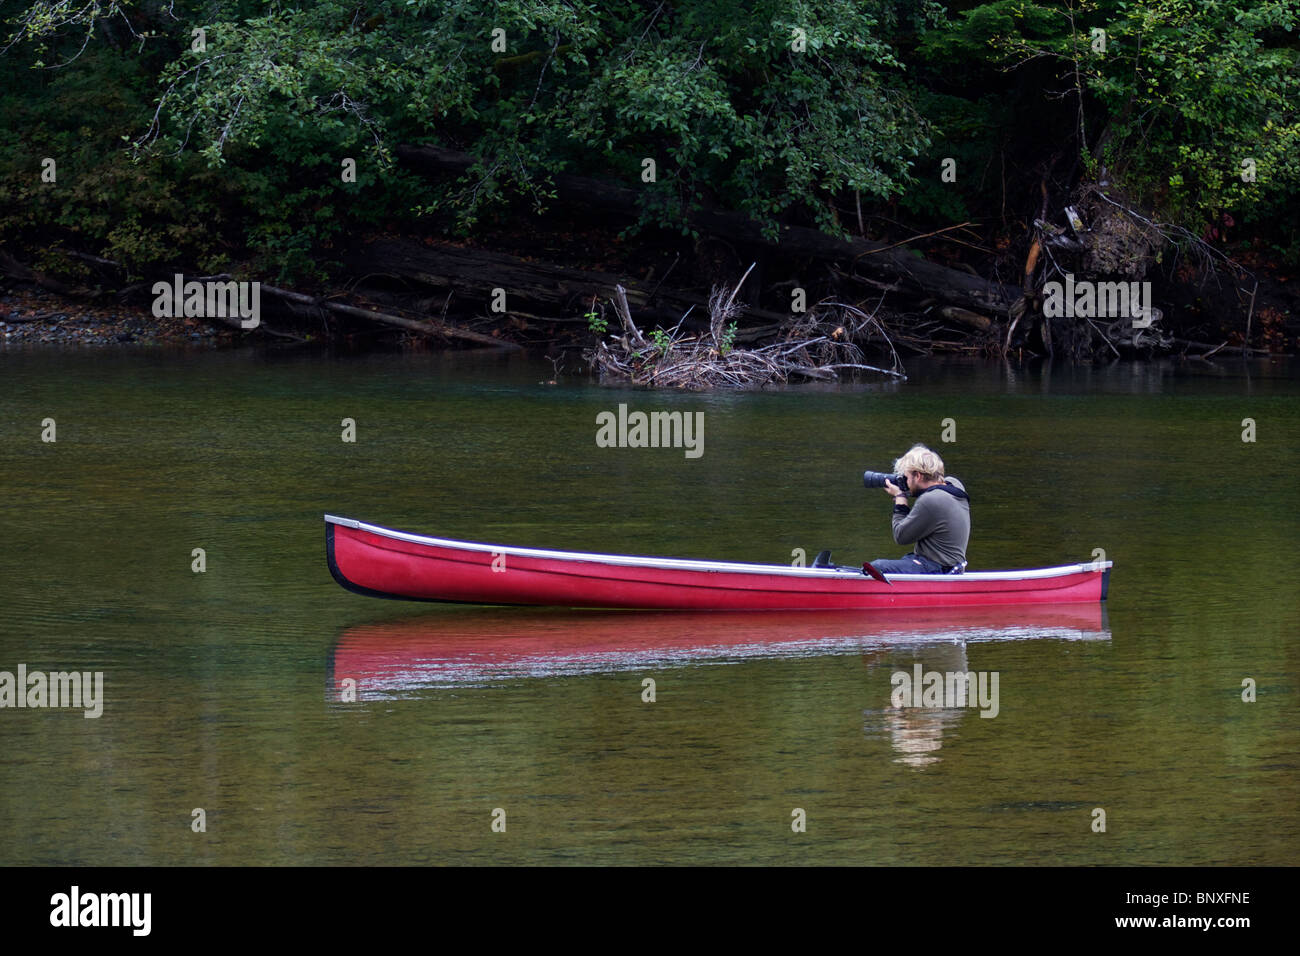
column 349, row 585
column 1105, row 583
column 343, row 580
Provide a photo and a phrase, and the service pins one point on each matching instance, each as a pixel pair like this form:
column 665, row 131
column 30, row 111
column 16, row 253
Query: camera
column 877, row 479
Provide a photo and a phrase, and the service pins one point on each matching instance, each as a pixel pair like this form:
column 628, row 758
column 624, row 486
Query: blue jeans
column 908, row 564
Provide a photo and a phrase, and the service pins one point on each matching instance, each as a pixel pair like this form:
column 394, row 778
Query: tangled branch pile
column 819, row 345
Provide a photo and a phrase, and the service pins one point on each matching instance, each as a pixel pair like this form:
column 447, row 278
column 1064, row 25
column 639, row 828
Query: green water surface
column 220, row 686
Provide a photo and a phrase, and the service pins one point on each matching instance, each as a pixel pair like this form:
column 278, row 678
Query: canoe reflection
column 464, row 648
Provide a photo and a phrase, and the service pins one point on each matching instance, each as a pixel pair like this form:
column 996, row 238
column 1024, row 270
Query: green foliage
column 731, row 112
column 231, row 152
column 1195, row 89
column 728, row 339
column 277, row 203
column 1182, row 93
column 100, row 201
column 972, row 136
column 716, row 96
column 44, row 22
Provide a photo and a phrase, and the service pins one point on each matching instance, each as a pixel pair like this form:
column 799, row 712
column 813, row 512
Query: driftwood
column 16, row 269
column 1214, row 348
column 819, row 345
column 534, row 287
column 424, row 328
column 625, row 317
column 967, row 318
column 699, row 363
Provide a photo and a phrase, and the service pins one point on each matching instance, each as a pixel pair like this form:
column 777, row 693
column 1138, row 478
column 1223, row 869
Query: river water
column 496, row 736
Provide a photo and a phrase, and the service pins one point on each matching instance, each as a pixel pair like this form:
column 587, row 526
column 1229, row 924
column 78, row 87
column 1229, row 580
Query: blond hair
column 921, row 459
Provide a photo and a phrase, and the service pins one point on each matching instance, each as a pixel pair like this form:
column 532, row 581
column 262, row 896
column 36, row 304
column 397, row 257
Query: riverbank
column 530, row 284
column 41, row 318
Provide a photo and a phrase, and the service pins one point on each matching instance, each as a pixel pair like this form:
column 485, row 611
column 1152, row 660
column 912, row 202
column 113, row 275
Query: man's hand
column 896, row 493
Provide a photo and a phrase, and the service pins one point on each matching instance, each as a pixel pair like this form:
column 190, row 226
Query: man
column 938, row 525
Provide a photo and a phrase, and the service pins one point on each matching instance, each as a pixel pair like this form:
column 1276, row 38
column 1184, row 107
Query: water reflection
column 396, row 659
column 916, row 732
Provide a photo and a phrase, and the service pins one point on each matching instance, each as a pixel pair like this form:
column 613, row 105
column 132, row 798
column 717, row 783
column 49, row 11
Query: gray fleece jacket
column 938, row 524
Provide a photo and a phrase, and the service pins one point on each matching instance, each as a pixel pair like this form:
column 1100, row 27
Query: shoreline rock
column 38, row 317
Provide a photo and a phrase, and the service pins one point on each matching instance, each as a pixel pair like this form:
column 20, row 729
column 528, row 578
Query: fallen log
column 476, row 273
column 965, row 317
column 424, row 328
column 878, row 259
column 1187, row 343
column 16, row 270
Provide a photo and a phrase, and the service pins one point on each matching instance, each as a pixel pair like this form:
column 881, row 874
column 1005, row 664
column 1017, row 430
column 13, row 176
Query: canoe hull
column 381, row 562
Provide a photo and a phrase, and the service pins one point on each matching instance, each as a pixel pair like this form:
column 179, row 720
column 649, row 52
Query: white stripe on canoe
column 686, row 564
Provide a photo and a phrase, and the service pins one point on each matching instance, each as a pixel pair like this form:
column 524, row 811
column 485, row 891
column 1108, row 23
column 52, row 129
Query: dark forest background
column 213, row 138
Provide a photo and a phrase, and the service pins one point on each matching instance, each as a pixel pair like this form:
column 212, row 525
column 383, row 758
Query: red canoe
column 381, row 562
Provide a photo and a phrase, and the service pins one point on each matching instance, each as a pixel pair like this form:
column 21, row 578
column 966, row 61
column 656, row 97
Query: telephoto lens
column 877, row 479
